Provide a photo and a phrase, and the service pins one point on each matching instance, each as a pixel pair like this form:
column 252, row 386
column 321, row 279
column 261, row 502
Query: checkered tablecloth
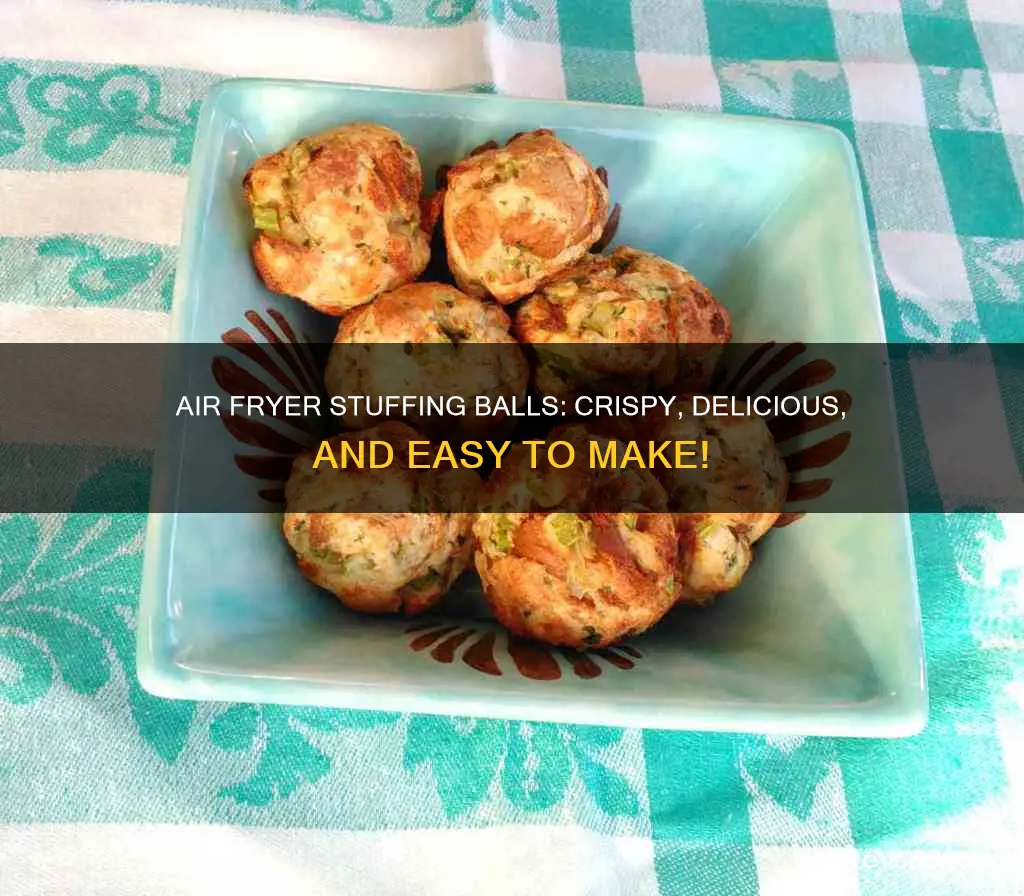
column 107, row 790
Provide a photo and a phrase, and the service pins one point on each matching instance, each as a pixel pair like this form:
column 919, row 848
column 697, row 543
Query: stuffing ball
column 713, row 556
column 746, row 480
column 571, row 578
column 429, row 340
column 629, row 315
column 380, row 562
column 736, row 500
column 730, row 505
column 518, row 215
column 338, row 217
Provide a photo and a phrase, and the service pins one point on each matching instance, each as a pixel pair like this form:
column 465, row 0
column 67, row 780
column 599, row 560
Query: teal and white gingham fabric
column 106, row 790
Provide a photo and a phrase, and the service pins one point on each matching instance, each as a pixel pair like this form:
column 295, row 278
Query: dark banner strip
column 457, row 426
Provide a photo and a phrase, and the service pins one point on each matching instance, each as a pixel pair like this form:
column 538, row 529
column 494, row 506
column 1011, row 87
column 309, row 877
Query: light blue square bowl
column 823, row 637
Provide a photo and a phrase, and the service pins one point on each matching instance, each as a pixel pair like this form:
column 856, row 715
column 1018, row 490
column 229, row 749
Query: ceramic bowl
column 823, row 637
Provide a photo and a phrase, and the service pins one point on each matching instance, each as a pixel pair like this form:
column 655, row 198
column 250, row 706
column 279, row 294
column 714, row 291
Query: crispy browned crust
column 747, row 471
column 660, row 302
column 748, row 463
column 438, row 314
column 422, row 312
column 617, row 580
column 436, row 543
column 516, row 216
column 431, row 208
column 708, row 565
column 347, row 206
column 370, row 598
column 530, row 593
column 633, row 315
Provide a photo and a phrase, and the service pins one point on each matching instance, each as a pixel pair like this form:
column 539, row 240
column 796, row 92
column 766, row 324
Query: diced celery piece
column 265, row 218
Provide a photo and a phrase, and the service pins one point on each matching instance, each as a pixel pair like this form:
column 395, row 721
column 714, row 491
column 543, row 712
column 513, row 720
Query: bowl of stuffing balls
column 441, row 272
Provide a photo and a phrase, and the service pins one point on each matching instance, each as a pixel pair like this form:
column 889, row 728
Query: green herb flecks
column 335, row 558
column 561, row 292
column 568, row 528
column 602, row 318
column 501, row 538
column 265, row 218
column 707, row 529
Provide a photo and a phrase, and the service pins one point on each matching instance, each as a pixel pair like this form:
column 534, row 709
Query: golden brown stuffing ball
column 746, row 480
column 731, row 505
column 736, row 500
column 380, row 562
column 518, row 215
column 713, row 556
column 338, row 217
column 628, row 314
column 484, row 358
column 571, row 578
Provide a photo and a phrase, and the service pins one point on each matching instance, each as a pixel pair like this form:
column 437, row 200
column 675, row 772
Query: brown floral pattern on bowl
column 479, row 648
